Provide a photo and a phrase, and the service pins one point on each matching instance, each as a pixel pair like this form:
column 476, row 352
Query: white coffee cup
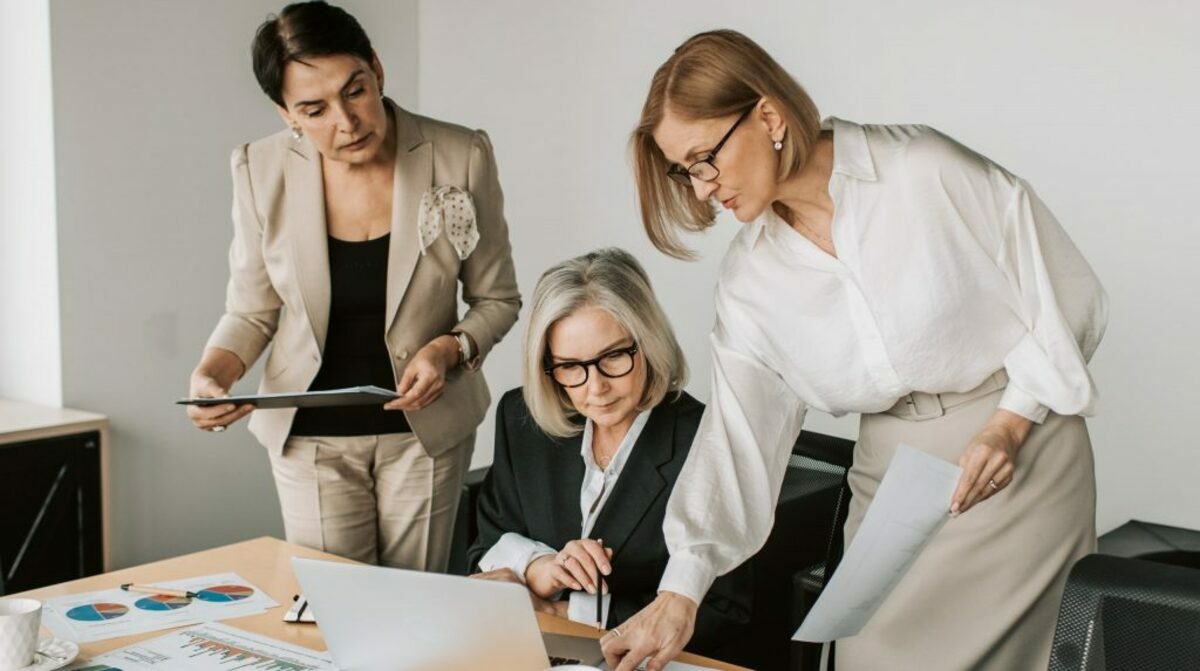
column 19, row 623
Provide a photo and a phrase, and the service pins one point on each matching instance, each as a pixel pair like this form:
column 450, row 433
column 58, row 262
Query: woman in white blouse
column 892, row 272
column 588, row 450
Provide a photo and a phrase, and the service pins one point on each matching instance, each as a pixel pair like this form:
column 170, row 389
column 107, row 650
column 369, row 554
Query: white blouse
column 949, row 268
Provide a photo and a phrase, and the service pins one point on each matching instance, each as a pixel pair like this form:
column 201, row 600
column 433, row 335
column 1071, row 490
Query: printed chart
column 226, row 593
column 95, row 616
column 210, row 647
column 97, row 612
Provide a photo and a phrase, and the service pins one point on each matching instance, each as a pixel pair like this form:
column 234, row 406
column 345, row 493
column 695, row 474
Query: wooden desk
column 266, row 563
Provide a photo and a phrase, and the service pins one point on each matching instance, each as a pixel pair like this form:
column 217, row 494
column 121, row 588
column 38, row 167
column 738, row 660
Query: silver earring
column 297, row 133
column 778, row 145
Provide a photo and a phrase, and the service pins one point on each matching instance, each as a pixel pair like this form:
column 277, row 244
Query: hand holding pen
column 579, row 566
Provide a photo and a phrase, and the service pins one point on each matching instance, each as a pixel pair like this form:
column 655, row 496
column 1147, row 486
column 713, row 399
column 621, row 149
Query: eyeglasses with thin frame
column 612, row 364
column 704, row 169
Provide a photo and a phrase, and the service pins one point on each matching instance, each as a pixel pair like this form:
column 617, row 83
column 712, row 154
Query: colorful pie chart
column 97, row 612
column 225, row 593
column 160, row 602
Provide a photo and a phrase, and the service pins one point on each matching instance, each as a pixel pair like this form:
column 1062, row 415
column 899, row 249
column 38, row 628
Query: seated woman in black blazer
column 588, row 450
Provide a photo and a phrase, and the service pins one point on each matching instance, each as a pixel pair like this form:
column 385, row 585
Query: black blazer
column 533, row 489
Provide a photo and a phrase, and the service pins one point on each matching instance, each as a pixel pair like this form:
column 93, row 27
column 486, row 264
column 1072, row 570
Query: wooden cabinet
column 53, row 512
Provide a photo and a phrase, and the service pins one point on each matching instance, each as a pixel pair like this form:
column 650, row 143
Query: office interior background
column 118, row 118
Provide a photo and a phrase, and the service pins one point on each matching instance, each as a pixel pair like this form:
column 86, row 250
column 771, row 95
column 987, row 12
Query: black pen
column 599, row 592
column 599, row 600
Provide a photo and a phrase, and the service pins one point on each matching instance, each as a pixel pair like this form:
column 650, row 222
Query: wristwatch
column 467, row 356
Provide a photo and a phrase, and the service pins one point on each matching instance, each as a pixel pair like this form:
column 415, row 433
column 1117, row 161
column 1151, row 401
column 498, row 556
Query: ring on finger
column 616, row 632
column 993, row 485
column 218, row 428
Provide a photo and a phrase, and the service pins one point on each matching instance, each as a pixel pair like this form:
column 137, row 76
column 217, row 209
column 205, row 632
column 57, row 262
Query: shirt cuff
column 688, row 575
column 581, row 607
column 1020, row 402
column 514, row 551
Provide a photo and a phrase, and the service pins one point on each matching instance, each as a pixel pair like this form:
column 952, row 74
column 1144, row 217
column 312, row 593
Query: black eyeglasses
column 615, row 363
column 704, row 169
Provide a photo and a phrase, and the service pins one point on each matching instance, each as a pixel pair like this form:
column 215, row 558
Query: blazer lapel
column 640, row 482
column 414, row 176
column 565, row 469
column 305, row 220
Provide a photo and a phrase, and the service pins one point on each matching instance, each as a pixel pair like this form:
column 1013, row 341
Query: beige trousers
column 985, row 592
column 375, row 499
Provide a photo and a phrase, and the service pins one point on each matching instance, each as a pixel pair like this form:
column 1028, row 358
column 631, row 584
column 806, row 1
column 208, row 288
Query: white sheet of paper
column 911, row 504
column 95, row 616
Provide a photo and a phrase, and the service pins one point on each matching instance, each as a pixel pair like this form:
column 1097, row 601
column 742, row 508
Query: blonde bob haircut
column 712, row 75
column 612, row 280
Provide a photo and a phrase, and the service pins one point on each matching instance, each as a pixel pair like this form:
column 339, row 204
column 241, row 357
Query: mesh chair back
column 1120, row 613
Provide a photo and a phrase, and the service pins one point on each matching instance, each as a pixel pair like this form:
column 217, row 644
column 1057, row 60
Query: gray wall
column 1095, row 103
column 149, row 99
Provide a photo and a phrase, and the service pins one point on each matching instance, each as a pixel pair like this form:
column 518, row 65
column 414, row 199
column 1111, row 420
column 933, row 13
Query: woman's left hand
column 425, row 376
column 558, row 608
column 988, row 462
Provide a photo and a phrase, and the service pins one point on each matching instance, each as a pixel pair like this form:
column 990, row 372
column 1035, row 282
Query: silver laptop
column 377, row 618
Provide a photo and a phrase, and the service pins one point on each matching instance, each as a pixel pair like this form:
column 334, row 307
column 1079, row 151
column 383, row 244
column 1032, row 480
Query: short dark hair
column 302, row 30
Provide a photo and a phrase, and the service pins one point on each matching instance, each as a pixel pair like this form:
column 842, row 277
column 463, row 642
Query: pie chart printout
column 162, row 602
column 225, row 593
column 97, row 612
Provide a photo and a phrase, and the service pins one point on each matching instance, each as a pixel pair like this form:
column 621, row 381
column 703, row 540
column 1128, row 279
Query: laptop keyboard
column 563, row 661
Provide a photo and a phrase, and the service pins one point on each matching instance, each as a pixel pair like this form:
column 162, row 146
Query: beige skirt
column 984, row 594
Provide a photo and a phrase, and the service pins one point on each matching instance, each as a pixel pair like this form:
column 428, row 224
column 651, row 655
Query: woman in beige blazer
column 352, row 231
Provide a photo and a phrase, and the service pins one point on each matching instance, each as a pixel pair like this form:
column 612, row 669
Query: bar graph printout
column 210, row 647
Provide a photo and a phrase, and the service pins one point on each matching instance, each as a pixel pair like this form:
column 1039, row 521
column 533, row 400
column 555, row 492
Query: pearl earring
column 297, row 133
column 778, row 145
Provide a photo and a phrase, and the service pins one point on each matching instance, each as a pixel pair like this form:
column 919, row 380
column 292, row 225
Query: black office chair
column 807, row 584
column 466, row 525
column 805, row 516
column 1120, row 613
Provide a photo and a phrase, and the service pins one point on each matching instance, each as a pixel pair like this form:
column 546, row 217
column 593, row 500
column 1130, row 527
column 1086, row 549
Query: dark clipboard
column 368, row 395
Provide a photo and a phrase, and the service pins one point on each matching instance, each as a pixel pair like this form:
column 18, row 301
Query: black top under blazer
column 533, row 489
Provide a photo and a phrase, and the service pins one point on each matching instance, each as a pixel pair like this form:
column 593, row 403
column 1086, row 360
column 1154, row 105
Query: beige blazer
column 279, row 290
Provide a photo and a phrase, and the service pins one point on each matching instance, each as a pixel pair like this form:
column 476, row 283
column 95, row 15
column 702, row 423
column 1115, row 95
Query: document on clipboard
column 368, row 395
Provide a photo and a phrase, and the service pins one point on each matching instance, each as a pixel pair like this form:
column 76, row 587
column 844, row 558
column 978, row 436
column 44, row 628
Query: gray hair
column 610, row 279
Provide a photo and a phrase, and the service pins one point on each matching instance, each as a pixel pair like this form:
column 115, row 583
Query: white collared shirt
column 516, row 552
column 948, row 269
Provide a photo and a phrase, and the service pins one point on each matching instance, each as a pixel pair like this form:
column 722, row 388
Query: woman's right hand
column 577, row 566
column 656, row 633
column 207, row 418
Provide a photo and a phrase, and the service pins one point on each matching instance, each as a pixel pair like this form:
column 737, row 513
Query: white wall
column 1095, row 103
column 150, row 97
column 30, row 367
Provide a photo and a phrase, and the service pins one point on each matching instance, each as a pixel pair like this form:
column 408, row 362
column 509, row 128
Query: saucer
column 52, row 653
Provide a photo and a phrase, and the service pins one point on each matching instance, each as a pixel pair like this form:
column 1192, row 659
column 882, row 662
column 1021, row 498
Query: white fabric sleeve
column 1063, row 304
column 514, row 551
column 581, row 607
column 723, row 504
